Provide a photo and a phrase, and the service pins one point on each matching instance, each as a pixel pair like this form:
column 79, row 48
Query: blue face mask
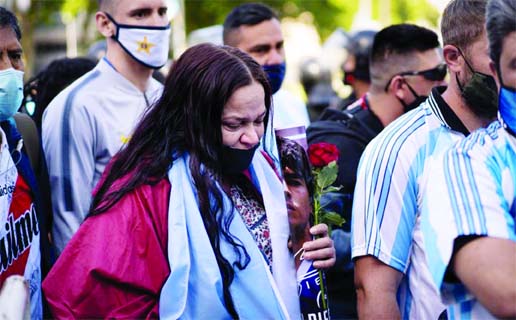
column 507, row 107
column 275, row 74
column 11, row 92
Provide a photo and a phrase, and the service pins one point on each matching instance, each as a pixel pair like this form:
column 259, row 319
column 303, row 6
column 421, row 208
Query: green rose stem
column 323, row 158
column 317, row 208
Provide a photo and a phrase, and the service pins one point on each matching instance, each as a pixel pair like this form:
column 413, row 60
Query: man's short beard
column 480, row 98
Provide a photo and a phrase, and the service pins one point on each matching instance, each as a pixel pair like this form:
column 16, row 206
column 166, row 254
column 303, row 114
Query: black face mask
column 480, row 93
column 349, row 78
column 236, row 160
column 414, row 104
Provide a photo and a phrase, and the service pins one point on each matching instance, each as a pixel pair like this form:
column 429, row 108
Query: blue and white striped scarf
column 194, row 288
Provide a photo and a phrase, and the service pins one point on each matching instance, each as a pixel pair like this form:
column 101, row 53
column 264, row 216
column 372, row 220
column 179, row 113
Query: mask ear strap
column 466, row 60
column 458, row 83
column 411, row 89
column 499, row 71
column 115, row 36
column 110, row 17
column 405, row 105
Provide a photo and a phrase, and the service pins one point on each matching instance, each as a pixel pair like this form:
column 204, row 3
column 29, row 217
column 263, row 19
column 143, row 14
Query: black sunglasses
column 435, row 74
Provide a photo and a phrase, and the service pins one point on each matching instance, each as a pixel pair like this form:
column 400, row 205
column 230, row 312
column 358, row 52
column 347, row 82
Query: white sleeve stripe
column 466, row 204
column 450, row 177
column 462, row 190
column 480, row 216
column 391, row 162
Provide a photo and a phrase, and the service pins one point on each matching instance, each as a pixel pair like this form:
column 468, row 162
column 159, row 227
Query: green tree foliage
column 71, row 8
column 44, row 13
column 328, row 14
column 40, row 13
column 408, row 11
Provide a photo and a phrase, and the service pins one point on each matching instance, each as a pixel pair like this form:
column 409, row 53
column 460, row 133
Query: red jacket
column 118, row 258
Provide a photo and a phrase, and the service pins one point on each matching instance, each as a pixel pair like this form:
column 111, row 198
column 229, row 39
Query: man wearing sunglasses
column 436, row 74
column 392, row 277
column 401, row 48
column 88, row 122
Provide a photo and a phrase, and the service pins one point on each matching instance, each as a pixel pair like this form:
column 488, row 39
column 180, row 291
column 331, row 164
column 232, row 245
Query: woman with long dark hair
column 189, row 220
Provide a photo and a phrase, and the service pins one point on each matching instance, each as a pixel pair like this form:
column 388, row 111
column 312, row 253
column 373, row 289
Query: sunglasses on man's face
column 435, row 74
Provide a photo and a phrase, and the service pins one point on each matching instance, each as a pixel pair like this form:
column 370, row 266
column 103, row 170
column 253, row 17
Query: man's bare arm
column 376, row 284
column 487, row 267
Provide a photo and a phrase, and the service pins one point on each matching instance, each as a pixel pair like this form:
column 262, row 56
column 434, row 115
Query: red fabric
column 363, row 102
column 22, row 228
column 116, row 264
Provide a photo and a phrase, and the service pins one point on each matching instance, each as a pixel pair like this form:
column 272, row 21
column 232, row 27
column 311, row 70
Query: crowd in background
column 127, row 194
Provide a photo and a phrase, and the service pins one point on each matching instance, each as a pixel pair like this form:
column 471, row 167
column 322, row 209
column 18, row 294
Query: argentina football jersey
column 388, row 195
column 471, row 193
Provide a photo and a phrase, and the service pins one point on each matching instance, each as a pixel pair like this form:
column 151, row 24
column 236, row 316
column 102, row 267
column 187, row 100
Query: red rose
column 322, row 153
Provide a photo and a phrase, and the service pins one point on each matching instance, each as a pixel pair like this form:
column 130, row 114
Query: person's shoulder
column 403, row 130
column 155, row 85
column 79, row 90
column 483, row 142
column 398, row 144
column 338, row 132
column 86, row 81
column 285, row 97
column 289, row 110
column 409, row 122
column 145, row 201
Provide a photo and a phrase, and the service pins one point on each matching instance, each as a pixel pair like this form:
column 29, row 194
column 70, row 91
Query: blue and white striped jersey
column 471, row 192
column 388, row 194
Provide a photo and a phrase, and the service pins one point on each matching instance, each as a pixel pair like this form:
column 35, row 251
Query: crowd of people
column 127, row 197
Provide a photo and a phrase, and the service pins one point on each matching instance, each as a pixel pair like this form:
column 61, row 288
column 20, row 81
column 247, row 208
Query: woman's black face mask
column 236, row 160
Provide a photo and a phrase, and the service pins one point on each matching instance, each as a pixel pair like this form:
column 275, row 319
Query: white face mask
column 147, row 45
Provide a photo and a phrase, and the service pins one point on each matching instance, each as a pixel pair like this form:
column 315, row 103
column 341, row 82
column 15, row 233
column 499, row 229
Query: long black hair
column 187, row 119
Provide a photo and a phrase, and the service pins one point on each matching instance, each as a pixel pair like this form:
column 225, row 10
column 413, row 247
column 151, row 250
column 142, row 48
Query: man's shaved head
column 107, row 5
